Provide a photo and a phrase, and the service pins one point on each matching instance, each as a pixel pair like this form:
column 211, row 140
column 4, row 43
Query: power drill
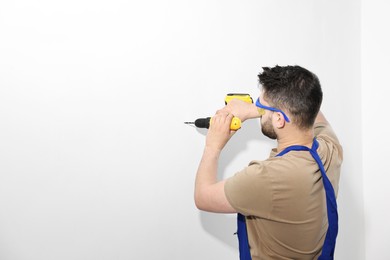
column 236, row 122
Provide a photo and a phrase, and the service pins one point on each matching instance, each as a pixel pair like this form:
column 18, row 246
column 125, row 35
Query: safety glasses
column 258, row 104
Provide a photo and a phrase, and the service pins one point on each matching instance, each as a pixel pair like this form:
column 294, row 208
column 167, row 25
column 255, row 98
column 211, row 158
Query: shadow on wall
column 223, row 226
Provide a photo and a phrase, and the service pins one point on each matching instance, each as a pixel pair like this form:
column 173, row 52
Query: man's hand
column 219, row 132
column 242, row 109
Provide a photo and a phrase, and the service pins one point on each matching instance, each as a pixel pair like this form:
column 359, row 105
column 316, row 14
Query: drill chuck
column 203, row 122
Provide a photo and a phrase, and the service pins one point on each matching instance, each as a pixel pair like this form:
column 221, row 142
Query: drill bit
column 189, row 123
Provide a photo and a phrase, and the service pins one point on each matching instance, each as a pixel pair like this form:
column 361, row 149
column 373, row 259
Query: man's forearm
column 206, row 175
column 210, row 193
column 320, row 118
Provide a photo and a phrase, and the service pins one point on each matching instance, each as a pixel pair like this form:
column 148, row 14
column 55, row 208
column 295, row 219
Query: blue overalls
column 331, row 234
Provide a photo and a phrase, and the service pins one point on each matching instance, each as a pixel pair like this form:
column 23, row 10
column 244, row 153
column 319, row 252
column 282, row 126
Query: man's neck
column 295, row 137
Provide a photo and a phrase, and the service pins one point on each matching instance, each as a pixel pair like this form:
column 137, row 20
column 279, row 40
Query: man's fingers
column 224, row 110
column 223, row 119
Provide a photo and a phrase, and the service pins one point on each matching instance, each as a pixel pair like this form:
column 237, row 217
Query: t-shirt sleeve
column 249, row 191
column 325, row 132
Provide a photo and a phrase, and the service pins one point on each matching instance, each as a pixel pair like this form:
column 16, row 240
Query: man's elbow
column 199, row 201
column 199, row 205
column 204, row 200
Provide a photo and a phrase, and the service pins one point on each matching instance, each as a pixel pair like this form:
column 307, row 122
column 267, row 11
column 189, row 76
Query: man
column 287, row 200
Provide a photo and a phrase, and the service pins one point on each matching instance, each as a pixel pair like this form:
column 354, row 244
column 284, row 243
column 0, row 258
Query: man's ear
column 279, row 120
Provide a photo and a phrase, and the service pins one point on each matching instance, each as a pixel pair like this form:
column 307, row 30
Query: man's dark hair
column 295, row 89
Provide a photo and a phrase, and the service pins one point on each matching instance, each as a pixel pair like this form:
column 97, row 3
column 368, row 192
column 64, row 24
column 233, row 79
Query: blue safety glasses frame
column 258, row 104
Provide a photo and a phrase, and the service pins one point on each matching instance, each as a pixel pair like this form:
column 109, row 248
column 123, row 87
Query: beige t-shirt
column 284, row 202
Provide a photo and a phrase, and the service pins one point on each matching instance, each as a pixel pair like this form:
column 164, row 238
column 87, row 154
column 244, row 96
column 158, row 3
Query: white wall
column 375, row 93
column 95, row 161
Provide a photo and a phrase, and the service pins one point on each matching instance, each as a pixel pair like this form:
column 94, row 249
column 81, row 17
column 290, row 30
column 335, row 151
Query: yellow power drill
column 236, row 122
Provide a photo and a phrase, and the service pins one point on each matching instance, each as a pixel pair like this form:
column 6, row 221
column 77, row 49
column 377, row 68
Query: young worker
column 286, row 204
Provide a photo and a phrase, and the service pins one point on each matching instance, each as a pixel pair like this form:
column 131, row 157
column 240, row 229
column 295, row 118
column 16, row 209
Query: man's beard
column 268, row 130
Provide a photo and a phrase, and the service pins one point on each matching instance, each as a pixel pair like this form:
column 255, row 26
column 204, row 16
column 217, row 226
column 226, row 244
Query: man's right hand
column 242, row 109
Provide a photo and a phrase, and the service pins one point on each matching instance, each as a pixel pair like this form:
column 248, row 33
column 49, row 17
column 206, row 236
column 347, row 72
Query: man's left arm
column 210, row 193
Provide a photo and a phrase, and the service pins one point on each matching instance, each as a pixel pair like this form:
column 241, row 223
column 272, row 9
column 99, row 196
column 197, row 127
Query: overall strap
column 242, row 234
column 331, row 234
